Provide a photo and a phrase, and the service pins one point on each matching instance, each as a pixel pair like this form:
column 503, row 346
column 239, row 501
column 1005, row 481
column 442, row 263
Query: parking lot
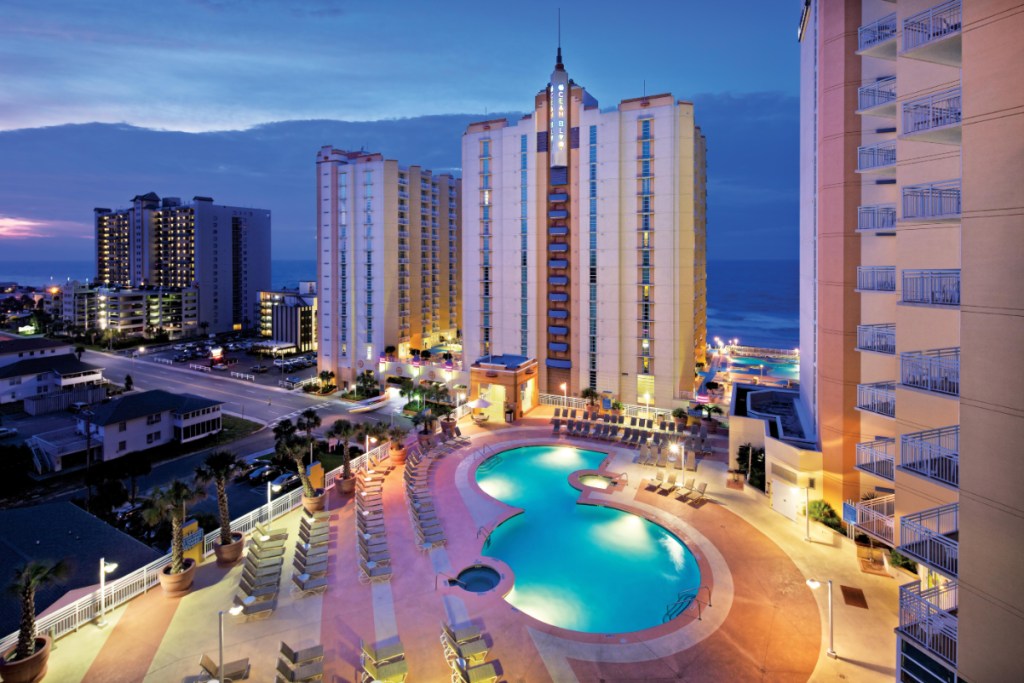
column 238, row 360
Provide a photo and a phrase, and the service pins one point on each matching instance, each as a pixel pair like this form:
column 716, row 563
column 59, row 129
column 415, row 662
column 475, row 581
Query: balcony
column 877, row 458
column 877, row 158
column 878, row 98
column 875, row 517
column 932, row 203
column 934, row 118
column 876, row 278
column 878, row 39
column 878, row 219
column 932, row 538
column 931, row 287
column 933, row 454
column 878, row 398
column 877, row 338
column 936, row 371
column 928, row 616
column 934, row 35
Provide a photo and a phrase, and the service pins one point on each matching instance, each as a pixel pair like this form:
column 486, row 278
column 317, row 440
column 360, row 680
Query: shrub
column 821, row 511
column 747, row 455
column 898, row 560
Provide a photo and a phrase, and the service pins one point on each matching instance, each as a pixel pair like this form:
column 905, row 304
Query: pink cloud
column 14, row 227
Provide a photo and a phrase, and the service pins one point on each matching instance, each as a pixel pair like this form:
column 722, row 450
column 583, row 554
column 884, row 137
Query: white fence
column 628, row 409
column 201, row 368
column 79, row 613
column 243, row 375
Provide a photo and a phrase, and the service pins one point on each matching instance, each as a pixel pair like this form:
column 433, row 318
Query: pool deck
column 764, row 623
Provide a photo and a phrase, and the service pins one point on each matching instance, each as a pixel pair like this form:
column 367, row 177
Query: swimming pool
column 581, row 567
column 783, row 369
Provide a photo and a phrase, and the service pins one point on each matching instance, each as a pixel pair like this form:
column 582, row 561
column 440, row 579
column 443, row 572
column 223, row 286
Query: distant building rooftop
column 780, row 408
column 132, row 406
column 64, row 364
column 19, row 344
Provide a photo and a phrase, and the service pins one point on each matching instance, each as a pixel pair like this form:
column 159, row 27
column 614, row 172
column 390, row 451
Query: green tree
column 343, row 431
column 170, row 503
column 325, row 380
column 590, row 395
column 129, row 383
column 219, row 467
column 79, row 350
column 28, row 579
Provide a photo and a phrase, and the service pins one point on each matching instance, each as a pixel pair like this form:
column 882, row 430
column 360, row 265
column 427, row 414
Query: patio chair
column 556, row 427
column 264, row 532
column 258, row 590
column 233, row 671
column 307, row 584
column 699, row 491
column 269, row 563
column 390, row 672
column 462, row 633
column 266, row 543
column 369, row 574
column 261, row 577
column 613, row 433
column 684, row 489
column 260, row 554
column 572, row 414
column 311, row 536
column 656, row 482
column 303, row 656
column 314, row 567
column 379, row 653
column 260, row 609
column 668, row 485
column 558, row 414
column 460, row 437
column 318, row 515
column 309, row 523
column 481, row 673
column 472, row 651
column 304, row 673
column 627, row 433
column 378, row 558
column 632, row 422
column 584, row 430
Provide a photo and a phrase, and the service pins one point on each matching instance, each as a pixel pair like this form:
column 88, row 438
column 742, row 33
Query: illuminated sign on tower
column 558, row 94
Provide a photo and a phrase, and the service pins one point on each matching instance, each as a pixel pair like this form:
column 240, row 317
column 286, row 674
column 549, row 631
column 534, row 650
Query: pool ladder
column 683, row 602
column 484, row 531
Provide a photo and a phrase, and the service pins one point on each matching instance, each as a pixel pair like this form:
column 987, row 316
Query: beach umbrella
column 479, row 403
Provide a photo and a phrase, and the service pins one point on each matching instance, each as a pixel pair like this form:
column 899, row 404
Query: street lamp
column 647, row 400
column 105, row 568
column 369, row 440
column 814, row 584
column 234, row 611
column 270, row 515
column 565, row 393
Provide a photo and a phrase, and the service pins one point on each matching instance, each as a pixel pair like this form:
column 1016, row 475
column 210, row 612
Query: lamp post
column 814, row 584
column 237, row 609
column 807, row 513
column 647, row 400
column 565, row 394
column 105, row 568
column 269, row 514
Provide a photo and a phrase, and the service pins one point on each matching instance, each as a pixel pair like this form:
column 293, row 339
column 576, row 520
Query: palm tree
column 407, row 389
column 307, row 422
column 343, row 431
column 79, row 350
column 325, row 379
column 129, row 383
column 169, row 503
column 29, row 578
column 219, row 467
column 590, row 395
column 421, row 419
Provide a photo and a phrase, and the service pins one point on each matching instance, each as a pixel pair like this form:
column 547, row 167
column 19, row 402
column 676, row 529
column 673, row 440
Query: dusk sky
column 218, row 66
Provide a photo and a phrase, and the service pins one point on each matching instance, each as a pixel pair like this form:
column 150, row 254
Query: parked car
column 262, row 474
column 259, row 369
column 7, row 432
column 293, row 380
column 247, row 469
column 221, row 367
column 284, row 482
column 182, row 358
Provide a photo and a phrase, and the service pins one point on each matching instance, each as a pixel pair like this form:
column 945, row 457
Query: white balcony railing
column 934, row 454
column 882, row 91
column 876, row 278
column 932, row 201
column 928, row 617
column 876, row 32
column 877, row 458
column 878, row 217
column 875, row 517
column 878, row 156
column 877, row 338
column 938, row 110
column 931, row 287
column 879, row 398
column 932, row 537
column 933, row 24
column 935, row 370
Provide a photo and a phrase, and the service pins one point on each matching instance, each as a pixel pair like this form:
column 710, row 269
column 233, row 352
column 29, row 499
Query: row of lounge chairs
column 640, row 423
column 311, row 551
column 465, row 650
column 425, row 522
column 300, row 666
column 261, row 572
column 371, row 535
column 442, row 443
column 383, row 662
column 684, row 491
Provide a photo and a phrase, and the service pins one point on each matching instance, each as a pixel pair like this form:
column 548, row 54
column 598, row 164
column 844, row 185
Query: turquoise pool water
column 782, row 369
column 581, row 567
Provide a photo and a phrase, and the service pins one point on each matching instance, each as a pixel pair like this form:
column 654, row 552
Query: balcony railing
column 931, row 287
column 877, row 338
column 932, row 25
column 875, row 517
column 876, row 33
column 934, row 454
column 882, row 91
column 932, row 201
column 936, row 370
column 879, row 156
column 879, row 398
column 938, row 110
column 879, row 217
column 876, row 278
column 932, row 537
column 877, row 458
column 928, row 617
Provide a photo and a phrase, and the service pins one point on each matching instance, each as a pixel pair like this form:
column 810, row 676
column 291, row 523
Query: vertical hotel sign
column 559, row 117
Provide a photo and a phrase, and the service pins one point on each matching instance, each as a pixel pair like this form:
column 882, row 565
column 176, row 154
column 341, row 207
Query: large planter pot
column 230, row 553
column 347, row 485
column 176, row 585
column 315, row 503
column 28, row 670
column 712, row 425
column 398, row 455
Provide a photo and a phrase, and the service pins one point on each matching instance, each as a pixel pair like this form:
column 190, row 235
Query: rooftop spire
column 558, row 58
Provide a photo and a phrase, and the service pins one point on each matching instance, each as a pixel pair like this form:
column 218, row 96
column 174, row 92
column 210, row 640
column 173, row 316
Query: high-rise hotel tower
column 584, row 243
column 387, row 260
column 912, row 227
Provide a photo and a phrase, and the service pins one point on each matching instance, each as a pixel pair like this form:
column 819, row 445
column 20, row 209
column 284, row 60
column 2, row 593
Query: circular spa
column 585, row 568
column 477, row 579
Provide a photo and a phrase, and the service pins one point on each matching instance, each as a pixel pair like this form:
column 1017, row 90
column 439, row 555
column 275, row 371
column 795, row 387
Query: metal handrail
column 932, row 24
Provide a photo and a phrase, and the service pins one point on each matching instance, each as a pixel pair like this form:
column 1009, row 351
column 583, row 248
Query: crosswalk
column 295, row 413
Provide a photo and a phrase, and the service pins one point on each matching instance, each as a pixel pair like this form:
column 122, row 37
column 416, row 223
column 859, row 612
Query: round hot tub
column 478, row 578
column 595, row 481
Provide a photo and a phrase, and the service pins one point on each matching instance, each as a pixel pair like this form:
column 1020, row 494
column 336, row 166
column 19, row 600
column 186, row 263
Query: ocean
column 755, row 301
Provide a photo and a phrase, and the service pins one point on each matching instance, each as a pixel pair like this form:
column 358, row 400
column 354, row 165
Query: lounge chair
column 260, row 609
column 462, row 633
column 668, row 485
column 481, row 673
column 558, row 414
column 303, row 656
column 699, row 491
column 313, row 567
column 259, row 566
column 572, row 415
column 377, row 558
column 313, row 671
column 389, row 672
column 656, row 482
column 369, row 574
column 257, row 541
column 318, row 515
column 270, row 576
column 314, row 537
column 556, row 427
column 264, row 532
column 233, row 671
column 473, row 651
column 257, row 590
column 379, row 653
column 460, row 437
column 309, row 584
column 261, row 554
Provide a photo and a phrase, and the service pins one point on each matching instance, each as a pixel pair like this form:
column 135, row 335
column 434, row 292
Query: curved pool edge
column 676, row 635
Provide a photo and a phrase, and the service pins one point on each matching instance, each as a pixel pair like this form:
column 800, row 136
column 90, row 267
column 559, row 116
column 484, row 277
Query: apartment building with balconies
column 388, row 255
column 585, row 243
column 918, row 187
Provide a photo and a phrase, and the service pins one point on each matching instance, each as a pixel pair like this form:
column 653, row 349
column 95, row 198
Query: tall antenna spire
column 558, row 59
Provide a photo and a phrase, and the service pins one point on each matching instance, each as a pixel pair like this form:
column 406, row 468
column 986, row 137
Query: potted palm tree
column 169, row 503
column 26, row 663
column 343, row 431
column 679, row 415
column 219, row 467
column 397, row 436
column 708, row 410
